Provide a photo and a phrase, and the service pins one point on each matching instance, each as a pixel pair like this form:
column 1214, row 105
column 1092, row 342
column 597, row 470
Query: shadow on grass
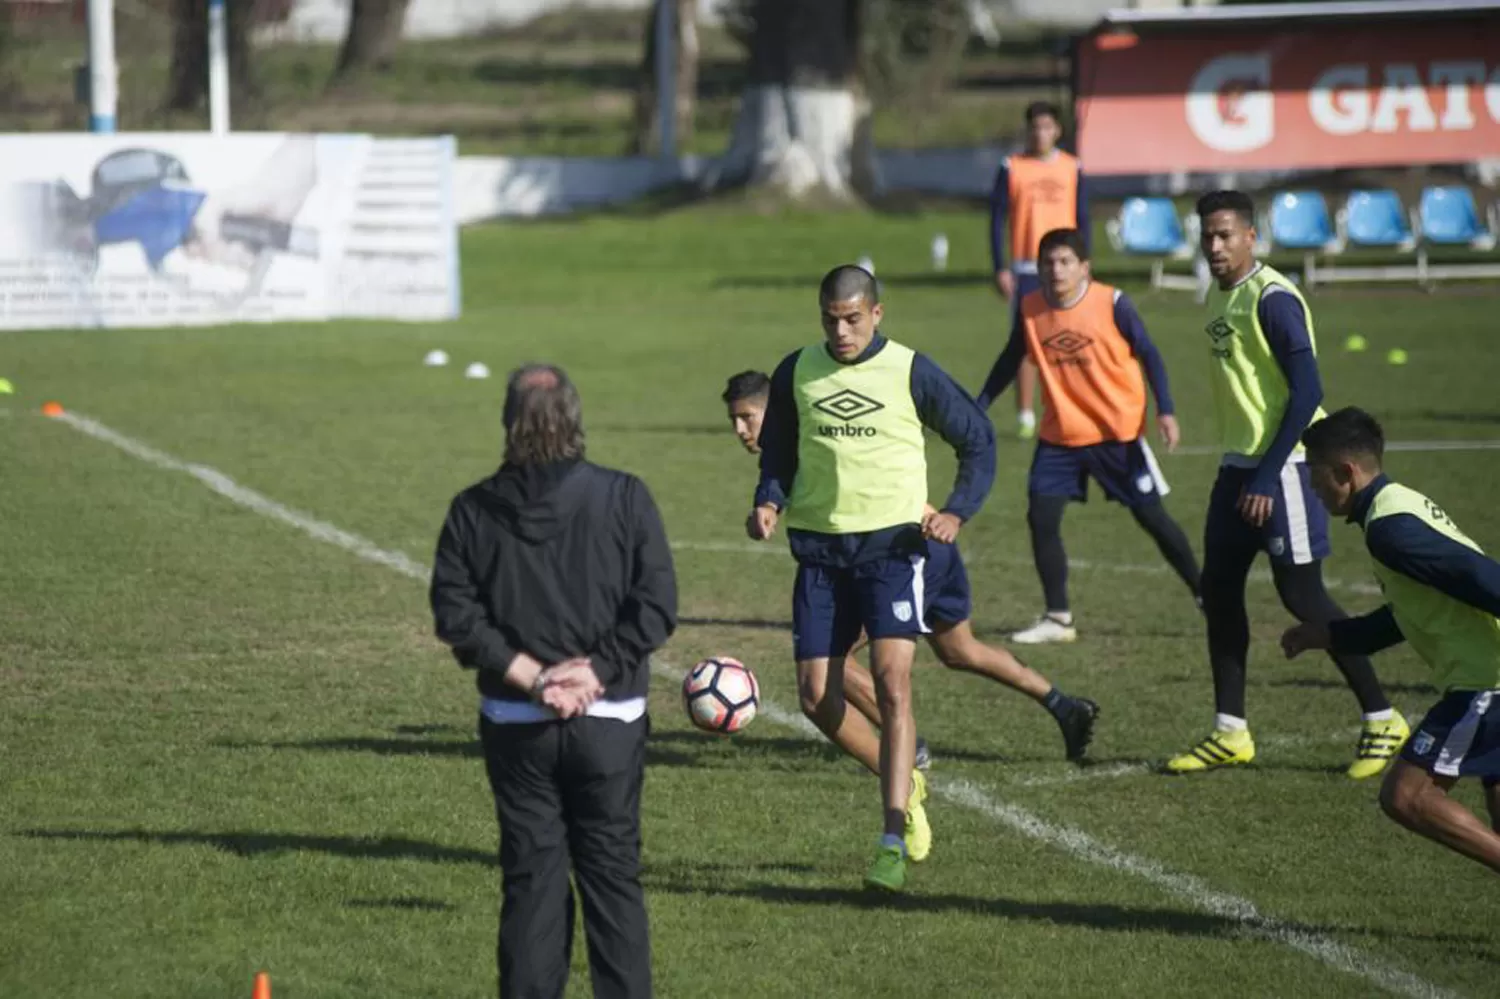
column 1116, row 918
column 467, row 748
column 1179, row 922
column 1444, row 416
column 405, row 903
column 753, row 623
column 259, row 844
column 1320, row 683
column 808, row 748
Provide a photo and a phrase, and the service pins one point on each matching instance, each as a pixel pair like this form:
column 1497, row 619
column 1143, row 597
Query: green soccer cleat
column 888, row 872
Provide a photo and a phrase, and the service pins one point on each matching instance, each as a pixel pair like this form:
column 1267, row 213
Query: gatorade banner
column 1329, row 95
column 189, row 229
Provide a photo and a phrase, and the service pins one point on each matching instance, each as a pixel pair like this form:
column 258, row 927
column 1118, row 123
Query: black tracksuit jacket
column 556, row 561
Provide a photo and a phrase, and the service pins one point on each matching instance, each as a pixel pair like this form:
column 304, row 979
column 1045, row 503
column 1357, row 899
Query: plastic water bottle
column 940, row 252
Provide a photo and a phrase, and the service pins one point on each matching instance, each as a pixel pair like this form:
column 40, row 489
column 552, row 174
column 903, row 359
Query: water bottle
column 940, row 252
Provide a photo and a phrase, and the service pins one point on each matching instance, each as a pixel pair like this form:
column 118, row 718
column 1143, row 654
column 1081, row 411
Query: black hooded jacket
column 556, row 561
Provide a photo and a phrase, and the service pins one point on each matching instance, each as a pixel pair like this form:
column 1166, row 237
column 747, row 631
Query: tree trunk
column 804, row 122
column 373, row 35
column 647, row 138
column 187, row 82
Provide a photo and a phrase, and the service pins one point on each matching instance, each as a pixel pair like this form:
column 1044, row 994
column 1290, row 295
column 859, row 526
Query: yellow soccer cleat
column 1379, row 742
column 918, row 833
column 1220, row 749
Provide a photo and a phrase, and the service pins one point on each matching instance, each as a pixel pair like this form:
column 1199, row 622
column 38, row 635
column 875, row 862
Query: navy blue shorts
column 1127, row 472
column 1296, row 533
column 1460, row 737
column 887, row 598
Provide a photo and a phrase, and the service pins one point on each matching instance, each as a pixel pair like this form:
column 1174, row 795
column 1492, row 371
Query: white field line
column 983, row 558
column 1111, row 772
column 1066, row 838
column 250, row 499
column 1252, row 922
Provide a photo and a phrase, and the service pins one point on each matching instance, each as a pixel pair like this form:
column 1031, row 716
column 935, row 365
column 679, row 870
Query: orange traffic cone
column 52, row 409
column 262, row 986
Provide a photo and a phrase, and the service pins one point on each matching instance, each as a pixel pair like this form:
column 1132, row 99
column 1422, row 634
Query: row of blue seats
column 1300, row 220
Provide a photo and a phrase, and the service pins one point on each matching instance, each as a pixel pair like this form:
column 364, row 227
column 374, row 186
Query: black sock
column 1172, row 543
column 1044, row 516
column 1303, row 593
column 1057, row 703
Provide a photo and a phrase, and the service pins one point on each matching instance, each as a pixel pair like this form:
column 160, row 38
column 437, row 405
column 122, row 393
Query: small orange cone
column 262, row 986
column 52, row 409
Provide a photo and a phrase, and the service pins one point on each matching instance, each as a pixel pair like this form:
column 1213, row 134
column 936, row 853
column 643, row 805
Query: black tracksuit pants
column 570, row 793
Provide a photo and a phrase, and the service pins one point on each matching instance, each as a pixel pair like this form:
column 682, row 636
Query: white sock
column 1386, row 715
column 1064, row 618
column 1229, row 723
column 890, row 840
column 1027, row 418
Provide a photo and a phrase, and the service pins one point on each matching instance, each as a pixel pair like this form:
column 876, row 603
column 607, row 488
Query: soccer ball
column 721, row 695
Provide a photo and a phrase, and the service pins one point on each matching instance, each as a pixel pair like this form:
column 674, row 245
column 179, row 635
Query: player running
column 745, row 396
column 1089, row 345
column 843, row 455
column 952, row 637
column 1036, row 191
column 1444, row 598
column 1267, row 390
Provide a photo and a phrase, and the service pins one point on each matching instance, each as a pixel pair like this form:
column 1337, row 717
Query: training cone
column 1355, row 343
column 52, row 409
column 6, row 388
column 262, row 988
column 1396, row 356
column 477, row 370
column 436, row 359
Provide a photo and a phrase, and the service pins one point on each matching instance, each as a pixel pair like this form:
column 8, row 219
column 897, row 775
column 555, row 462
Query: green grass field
column 226, row 745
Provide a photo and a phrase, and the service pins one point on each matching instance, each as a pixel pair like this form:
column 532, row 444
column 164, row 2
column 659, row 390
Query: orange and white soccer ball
column 721, row 695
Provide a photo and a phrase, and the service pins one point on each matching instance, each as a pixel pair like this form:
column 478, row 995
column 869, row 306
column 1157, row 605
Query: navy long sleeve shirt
column 1000, row 211
column 1283, row 320
column 942, row 405
column 1406, row 544
column 1131, row 327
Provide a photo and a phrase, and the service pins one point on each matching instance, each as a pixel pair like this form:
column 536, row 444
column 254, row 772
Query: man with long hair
column 554, row 582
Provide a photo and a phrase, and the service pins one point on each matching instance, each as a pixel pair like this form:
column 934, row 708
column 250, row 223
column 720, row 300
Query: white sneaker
column 1047, row 629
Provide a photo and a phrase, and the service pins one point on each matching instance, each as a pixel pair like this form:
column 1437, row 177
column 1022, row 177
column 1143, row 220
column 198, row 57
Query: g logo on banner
column 1229, row 104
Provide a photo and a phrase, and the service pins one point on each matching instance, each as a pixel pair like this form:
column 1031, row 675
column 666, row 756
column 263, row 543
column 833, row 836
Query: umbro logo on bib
column 848, row 405
column 1221, row 333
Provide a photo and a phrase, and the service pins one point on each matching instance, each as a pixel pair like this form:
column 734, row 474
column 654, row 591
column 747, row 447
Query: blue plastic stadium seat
column 1300, row 221
column 1376, row 218
column 1150, row 226
column 1449, row 216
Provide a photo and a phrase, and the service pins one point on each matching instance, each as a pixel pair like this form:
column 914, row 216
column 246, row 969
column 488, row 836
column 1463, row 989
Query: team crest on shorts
column 1278, row 546
column 1144, row 483
column 1422, row 744
column 902, row 610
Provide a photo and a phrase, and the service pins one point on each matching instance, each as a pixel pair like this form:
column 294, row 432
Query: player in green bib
column 1264, row 372
column 1443, row 597
column 843, row 461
